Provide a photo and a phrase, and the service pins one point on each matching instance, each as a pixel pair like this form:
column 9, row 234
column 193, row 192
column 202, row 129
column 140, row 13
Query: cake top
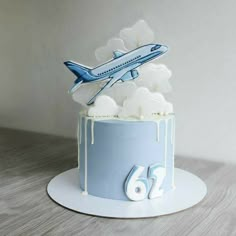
column 129, row 85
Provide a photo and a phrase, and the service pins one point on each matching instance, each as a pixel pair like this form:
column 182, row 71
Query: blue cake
column 110, row 150
column 126, row 133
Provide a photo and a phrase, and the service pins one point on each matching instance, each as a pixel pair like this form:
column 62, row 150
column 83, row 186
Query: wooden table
column 28, row 161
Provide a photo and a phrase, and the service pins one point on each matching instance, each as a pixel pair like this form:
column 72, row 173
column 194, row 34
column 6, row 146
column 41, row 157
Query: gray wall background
column 37, row 36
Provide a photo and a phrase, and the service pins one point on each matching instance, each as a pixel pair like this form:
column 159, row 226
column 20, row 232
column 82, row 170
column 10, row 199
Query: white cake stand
column 64, row 189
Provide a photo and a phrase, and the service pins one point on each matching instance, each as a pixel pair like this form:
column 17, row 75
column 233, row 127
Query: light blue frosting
column 118, row 146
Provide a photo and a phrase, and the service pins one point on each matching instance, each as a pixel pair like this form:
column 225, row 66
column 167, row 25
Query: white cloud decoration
column 137, row 35
column 155, row 77
column 104, row 106
column 105, row 53
column 144, row 104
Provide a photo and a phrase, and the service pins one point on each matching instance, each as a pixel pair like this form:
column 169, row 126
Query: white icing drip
column 85, row 192
column 157, row 130
column 173, row 152
column 78, row 138
column 80, row 128
column 172, row 129
column 92, row 131
column 166, row 139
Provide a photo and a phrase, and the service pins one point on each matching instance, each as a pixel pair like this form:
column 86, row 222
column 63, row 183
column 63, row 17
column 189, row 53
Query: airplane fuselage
column 132, row 60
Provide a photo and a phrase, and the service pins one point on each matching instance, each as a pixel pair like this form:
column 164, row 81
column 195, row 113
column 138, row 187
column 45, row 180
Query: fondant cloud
column 145, row 104
column 104, row 106
column 137, row 35
column 105, row 53
column 155, row 77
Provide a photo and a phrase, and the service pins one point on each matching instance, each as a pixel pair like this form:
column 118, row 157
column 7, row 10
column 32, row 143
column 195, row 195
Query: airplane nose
column 164, row 48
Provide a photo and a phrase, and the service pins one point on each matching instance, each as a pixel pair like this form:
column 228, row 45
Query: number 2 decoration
column 157, row 173
column 137, row 188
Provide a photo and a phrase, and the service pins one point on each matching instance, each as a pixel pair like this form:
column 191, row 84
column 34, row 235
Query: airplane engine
column 134, row 74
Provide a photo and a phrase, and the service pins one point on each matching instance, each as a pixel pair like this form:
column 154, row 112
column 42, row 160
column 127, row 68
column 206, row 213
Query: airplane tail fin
column 80, row 71
column 76, row 68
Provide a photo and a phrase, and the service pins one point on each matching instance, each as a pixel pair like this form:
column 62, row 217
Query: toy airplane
column 121, row 68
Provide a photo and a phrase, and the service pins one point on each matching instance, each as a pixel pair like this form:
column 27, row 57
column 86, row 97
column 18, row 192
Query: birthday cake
column 126, row 130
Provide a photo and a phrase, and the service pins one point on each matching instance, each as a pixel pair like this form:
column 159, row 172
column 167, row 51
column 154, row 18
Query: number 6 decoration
column 137, row 188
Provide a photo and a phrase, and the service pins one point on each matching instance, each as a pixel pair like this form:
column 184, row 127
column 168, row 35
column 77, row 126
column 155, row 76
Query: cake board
column 64, row 190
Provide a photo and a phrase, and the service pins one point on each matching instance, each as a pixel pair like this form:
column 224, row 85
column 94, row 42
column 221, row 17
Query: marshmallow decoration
column 104, row 106
column 155, row 77
column 139, row 34
column 145, row 104
column 104, row 53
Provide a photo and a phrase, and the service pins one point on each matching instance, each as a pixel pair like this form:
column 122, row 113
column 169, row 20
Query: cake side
column 109, row 149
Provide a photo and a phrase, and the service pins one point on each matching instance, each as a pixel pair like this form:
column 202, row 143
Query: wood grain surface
column 28, row 161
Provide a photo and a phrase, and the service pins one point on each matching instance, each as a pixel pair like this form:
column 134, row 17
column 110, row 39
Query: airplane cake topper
column 121, row 68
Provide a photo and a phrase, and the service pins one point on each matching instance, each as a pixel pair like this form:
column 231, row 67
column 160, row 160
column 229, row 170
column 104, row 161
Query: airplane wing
column 115, row 78
column 111, row 82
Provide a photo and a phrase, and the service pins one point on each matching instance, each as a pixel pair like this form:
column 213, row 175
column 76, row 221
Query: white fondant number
column 137, row 188
column 157, row 173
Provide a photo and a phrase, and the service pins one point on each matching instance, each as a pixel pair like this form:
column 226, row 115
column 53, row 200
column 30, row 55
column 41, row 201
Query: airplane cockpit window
column 155, row 47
